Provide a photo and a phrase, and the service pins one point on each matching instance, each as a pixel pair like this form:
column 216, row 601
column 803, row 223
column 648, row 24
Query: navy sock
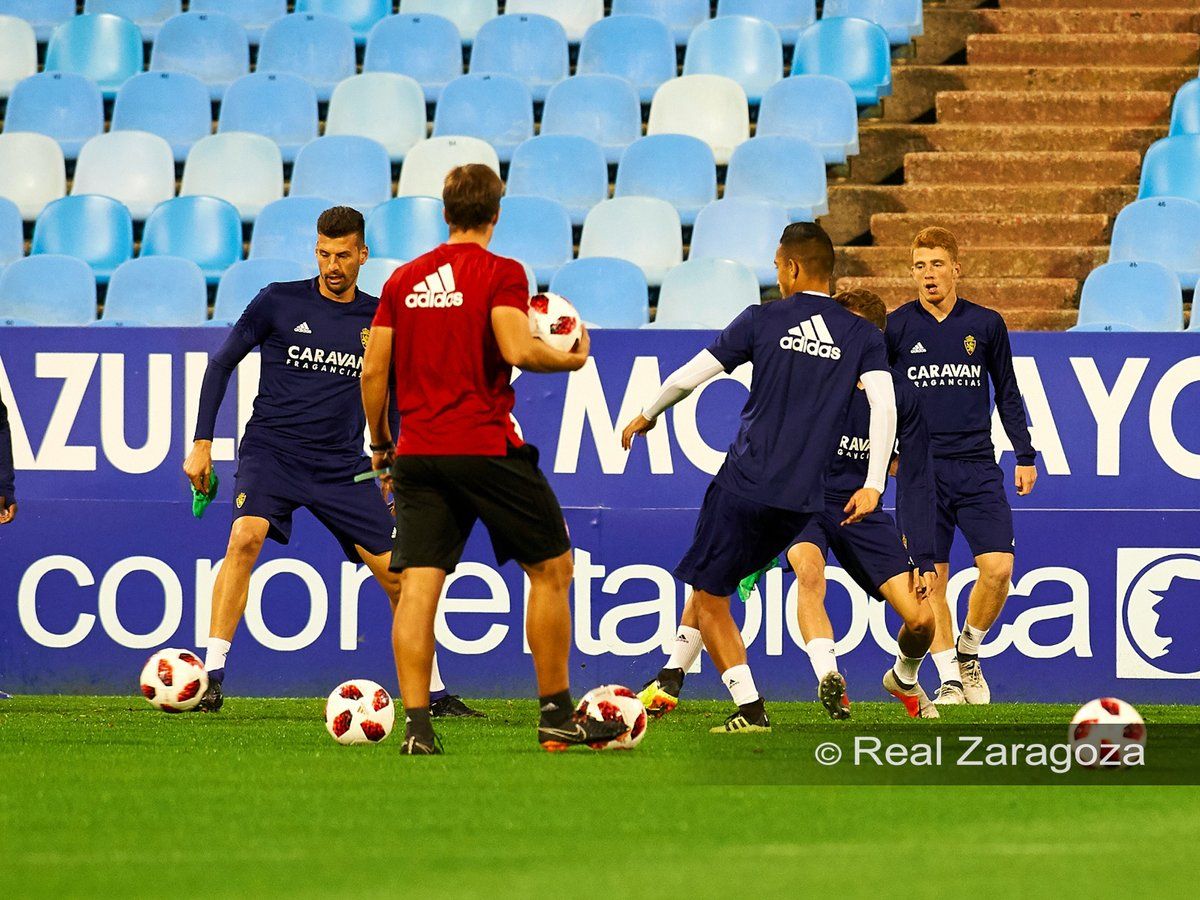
column 434, row 696
column 217, row 675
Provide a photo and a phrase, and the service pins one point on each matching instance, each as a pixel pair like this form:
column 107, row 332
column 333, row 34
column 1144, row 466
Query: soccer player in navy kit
column 949, row 348
column 8, row 499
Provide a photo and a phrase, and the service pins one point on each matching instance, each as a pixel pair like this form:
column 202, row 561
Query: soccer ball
column 554, row 320
column 174, row 680
column 359, row 712
column 1105, row 733
column 610, row 702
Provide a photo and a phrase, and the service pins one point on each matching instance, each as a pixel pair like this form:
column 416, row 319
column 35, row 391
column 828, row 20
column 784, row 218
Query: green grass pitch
column 104, row 797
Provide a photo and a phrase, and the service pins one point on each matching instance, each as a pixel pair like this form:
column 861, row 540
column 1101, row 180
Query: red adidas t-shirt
column 452, row 385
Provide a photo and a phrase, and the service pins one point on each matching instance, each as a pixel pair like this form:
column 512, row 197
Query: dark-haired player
column 303, row 444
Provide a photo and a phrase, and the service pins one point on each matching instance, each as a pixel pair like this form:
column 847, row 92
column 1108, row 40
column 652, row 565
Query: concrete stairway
column 1022, row 129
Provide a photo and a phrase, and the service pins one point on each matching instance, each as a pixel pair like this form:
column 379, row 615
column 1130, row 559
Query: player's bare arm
column 377, row 363
column 1026, row 478
column 520, row 348
column 198, row 465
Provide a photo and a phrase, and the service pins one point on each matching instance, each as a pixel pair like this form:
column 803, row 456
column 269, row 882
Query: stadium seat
column 205, row 230
column 172, row 105
column 279, row 106
column 427, row 164
column 602, row 108
column 91, row 227
column 709, row 107
column 636, row 48
column 43, row 15
column 1108, row 327
column 360, row 15
column 902, row 20
column 1164, row 230
column 423, row 47
column 374, row 274
column 320, row 49
column 63, row 106
column 12, row 232
column 157, row 291
column 18, row 52
column 742, row 229
column 1194, row 321
column 494, row 108
column 562, row 167
column 32, row 171
column 383, row 106
column 575, row 16
column 48, row 290
column 853, row 50
column 673, row 167
column 609, row 293
column 245, row 169
column 819, row 108
column 468, row 16
column 287, row 229
column 788, row 170
column 705, row 293
column 536, row 231
column 135, row 167
column 345, row 169
column 789, row 17
column 1144, row 295
column 107, row 49
column 243, row 280
column 532, row 49
column 148, row 15
column 211, row 46
column 253, row 15
column 643, row 230
column 681, row 16
column 1185, row 111
column 747, row 50
column 406, row 227
column 1171, row 168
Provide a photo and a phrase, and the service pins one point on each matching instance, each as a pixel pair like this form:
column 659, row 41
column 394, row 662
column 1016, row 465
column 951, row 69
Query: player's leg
column 914, row 639
column 941, row 651
column 723, row 640
column 661, row 694
column 413, row 646
column 807, row 559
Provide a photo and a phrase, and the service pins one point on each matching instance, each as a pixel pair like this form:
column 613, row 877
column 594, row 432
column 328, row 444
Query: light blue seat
column 160, row 291
column 853, row 50
column 406, row 227
column 279, row 106
column 575, row 16
column 253, row 15
column 1185, row 111
column 903, row 20
column 62, row 105
column 1164, row 230
column 468, row 16
column 245, row 169
column 243, row 280
column 494, row 108
column 375, row 272
column 819, row 108
column 360, row 15
column 609, row 293
column 1144, row 295
column 742, row 229
column 18, row 53
column 172, row 105
column 1104, row 327
column 345, row 169
column 90, row 227
column 12, row 232
column 562, row 167
column 1194, row 322
column 532, row 49
column 643, row 230
column 536, row 231
column 788, row 170
column 107, row 49
column 705, row 293
column 135, row 167
column 673, row 167
column 1171, row 168
column 43, row 15
column 287, row 229
column 424, row 47
column 383, row 106
column 681, row 16
column 789, row 17
column 148, row 15
column 48, row 290
column 602, row 108
column 747, row 50
column 320, row 49
column 211, row 46
column 638, row 49
column 206, row 230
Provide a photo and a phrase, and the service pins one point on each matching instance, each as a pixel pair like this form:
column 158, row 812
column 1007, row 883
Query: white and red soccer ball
column 554, row 320
column 612, row 702
column 359, row 712
column 1107, row 733
column 174, row 680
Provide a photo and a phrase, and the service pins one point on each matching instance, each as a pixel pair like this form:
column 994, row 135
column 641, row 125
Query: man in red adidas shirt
column 453, row 323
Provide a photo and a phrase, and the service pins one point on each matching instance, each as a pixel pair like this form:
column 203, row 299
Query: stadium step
column 1054, row 108
column 1089, row 18
column 1005, row 294
column 1097, row 4
column 1122, row 167
column 978, row 262
column 1083, row 49
column 995, row 229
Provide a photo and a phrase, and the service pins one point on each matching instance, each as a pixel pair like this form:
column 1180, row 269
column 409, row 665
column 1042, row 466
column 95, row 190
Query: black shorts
column 438, row 499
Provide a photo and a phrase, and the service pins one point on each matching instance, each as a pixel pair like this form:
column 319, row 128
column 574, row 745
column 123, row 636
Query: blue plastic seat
column 638, row 49
column 643, row 230
column 12, row 233
column 1144, row 295
column 276, row 105
column 1185, row 111
column 90, row 227
column 712, row 108
column 562, row 167
column 48, row 290
column 747, row 50
column 532, row 49
column 602, row 108
column 468, row 16
column 788, row 170
column 1104, row 327
column 536, row 231
column 424, row 47
column 742, row 229
column 681, row 16
column 853, row 50
column 320, row 49
column 819, row 108
column 1171, row 168
column 135, row 167
column 494, row 108
column 345, row 169
column 406, row 227
column 156, row 290
column 43, row 15
column 18, row 52
column 211, row 46
column 902, row 20
column 383, row 106
column 575, row 16
column 709, row 293
column 789, row 17
column 375, row 272
column 673, row 167
column 63, row 106
column 32, row 171
column 429, row 162
column 609, row 293
column 148, row 15
column 172, row 105
column 1164, row 230
column 243, row 280
column 205, row 230
column 287, row 229
column 107, row 49
column 360, row 15
column 245, row 169
column 253, row 15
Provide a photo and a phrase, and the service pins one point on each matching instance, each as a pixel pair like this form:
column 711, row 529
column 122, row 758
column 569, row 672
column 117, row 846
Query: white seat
column 374, row 274
column 575, row 16
column 135, row 167
column 707, row 292
column 32, row 171
column 643, row 230
column 712, row 108
column 428, row 163
column 18, row 52
column 383, row 106
column 245, row 169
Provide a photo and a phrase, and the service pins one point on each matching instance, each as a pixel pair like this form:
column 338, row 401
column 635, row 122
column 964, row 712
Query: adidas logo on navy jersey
column 436, row 291
column 302, row 328
column 918, row 347
column 812, row 337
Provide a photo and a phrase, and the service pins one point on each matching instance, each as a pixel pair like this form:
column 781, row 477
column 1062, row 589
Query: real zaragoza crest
column 364, row 334
column 241, row 499
column 969, row 344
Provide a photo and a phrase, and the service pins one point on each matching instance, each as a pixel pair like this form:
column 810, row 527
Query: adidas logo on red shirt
column 435, row 291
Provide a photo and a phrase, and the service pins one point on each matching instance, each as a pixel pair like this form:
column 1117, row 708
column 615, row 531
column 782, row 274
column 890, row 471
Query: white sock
column 217, row 651
column 740, row 682
column 435, row 677
column 970, row 639
column 947, row 665
column 906, row 668
column 822, row 656
column 686, row 649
